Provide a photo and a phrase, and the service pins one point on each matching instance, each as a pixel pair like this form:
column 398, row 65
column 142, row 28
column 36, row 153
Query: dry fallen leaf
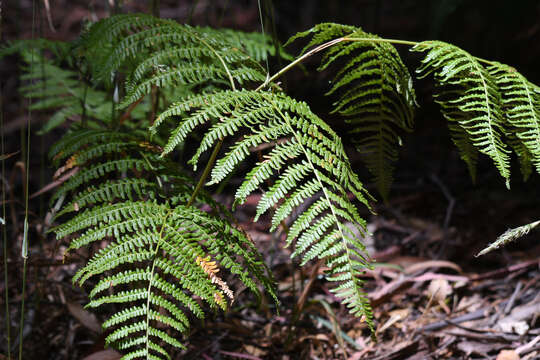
column 507, row 355
column 439, row 290
column 395, row 316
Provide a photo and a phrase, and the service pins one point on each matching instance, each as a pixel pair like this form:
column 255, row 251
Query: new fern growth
column 162, row 252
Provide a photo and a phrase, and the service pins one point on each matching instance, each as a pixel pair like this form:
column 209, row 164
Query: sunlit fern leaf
column 469, row 97
column 304, row 153
column 161, row 253
column 524, row 156
column 521, row 105
column 374, row 93
column 467, row 151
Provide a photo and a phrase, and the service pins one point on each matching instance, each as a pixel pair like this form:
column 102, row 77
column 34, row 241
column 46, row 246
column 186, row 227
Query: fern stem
column 299, row 60
column 215, row 152
column 206, row 172
column 152, row 272
column 337, row 41
column 24, row 250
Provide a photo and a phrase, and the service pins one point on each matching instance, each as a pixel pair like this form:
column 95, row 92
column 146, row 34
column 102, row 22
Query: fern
column 166, row 54
column 470, row 100
column 521, row 103
column 306, row 158
column 375, row 93
column 162, row 252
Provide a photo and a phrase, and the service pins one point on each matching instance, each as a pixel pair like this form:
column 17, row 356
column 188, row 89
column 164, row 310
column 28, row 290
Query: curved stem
column 342, row 39
column 289, row 66
column 213, row 157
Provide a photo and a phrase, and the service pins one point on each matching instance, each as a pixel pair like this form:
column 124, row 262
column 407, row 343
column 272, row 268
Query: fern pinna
column 160, row 252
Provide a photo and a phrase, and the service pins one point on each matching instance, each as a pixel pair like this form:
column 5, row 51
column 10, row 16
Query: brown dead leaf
column 86, row 318
column 253, row 350
column 395, row 316
column 507, row 355
column 439, row 290
column 104, row 355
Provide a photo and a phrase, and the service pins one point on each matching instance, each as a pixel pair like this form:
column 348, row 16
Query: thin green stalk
column 4, row 226
column 24, row 250
column 205, row 173
column 213, row 157
column 155, row 8
column 191, row 11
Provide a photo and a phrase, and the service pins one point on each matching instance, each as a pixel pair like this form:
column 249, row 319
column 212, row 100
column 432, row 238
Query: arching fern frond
column 521, row 105
column 470, row 100
column 305, row 158
column 161, row 253
column 374, row 93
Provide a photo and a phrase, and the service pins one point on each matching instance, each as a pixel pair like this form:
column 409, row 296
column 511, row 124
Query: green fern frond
column 162, row 253
column 166, row 54
column 374, row 90
column 305, row 153
column 56, row 88
column 521, row 104
column 470, row 99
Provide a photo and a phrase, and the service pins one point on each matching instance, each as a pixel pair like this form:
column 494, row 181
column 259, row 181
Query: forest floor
column 432, row 298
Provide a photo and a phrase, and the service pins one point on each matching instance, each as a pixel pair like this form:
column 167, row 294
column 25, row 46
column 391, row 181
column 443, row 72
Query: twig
column 478, row 314
column 512, row 300
column 55, row 183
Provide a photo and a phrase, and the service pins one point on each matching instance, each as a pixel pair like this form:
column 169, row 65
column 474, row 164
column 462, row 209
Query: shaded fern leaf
column 374, row 93
column 163, row 53
column 521, row 105
column 471, row 102
column 305, row 158
column 161, row 253
column 52, row 87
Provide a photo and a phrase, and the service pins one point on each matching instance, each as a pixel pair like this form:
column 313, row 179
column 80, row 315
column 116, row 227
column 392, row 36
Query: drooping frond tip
column 489, row 110
column 373, row 91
